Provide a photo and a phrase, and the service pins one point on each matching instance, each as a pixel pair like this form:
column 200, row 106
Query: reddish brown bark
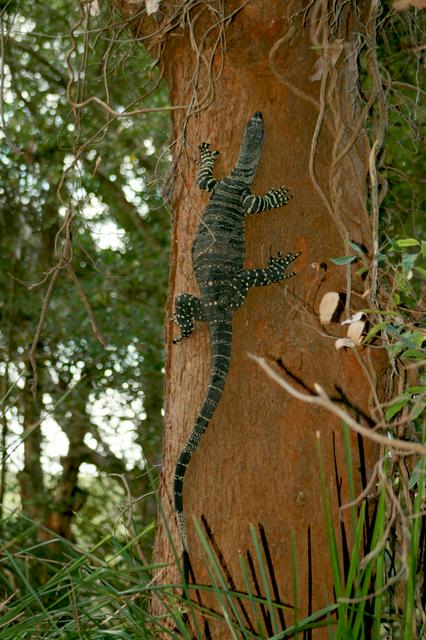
column 257, row 463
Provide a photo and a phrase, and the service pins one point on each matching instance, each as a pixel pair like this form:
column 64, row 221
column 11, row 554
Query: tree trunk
column 257, row 463
column 31, row 481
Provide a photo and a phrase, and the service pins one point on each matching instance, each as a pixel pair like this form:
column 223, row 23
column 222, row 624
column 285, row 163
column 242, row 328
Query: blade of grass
column 314, row 621
column 349, row 467
column 33, row 595
column 380, row 568
column 295, row 584
column 367, row 573
column 353, row 578
column 250, row 595
column 332, row 548
column 410, row 593
column 222, row 592
column 262, row 570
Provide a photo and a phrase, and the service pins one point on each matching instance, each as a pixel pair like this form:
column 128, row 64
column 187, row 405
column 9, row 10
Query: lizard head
column 250, row 149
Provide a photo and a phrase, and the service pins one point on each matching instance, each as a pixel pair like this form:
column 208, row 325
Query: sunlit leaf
column 344, row 260
column 396, row 406
column 408, row 242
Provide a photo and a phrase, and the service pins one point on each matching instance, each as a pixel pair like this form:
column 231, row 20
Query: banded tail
column 220, row 349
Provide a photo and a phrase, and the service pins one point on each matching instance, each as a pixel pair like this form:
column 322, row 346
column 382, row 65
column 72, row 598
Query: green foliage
column 403, row 165
column 402, row 325
column 401, row 168
column 106, row 589
column 97, row 593
column 80, row 176
column 85, row 174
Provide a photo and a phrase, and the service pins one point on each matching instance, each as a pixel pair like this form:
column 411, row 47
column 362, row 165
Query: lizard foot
column 279, row 197
column 282, row 260
column 206, row 152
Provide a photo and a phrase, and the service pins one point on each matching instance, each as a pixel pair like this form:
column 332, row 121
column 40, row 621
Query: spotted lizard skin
column 218, row 254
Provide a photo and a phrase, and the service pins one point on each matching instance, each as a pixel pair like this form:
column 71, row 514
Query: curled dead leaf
column 328, row 306
column 355, row 331
column 344, row 342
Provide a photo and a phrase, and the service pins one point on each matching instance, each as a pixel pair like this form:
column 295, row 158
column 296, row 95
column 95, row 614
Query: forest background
column 85, row 178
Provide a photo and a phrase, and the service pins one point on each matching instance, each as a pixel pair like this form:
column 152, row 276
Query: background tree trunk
column 257, row 463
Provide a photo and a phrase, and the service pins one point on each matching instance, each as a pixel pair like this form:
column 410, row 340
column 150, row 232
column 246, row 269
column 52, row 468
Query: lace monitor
column 218, row 256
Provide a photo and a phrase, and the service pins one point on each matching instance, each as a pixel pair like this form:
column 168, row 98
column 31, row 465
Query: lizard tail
column 220, row 348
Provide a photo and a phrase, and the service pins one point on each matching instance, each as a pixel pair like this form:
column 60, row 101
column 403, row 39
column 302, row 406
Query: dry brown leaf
column 355, row 330
column 344, row 342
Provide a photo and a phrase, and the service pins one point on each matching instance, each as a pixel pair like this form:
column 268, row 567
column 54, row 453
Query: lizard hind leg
column 279, row 263
column 188, row 308
column 263, row 277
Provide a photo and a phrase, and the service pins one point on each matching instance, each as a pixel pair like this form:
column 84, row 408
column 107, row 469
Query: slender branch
column 124, row 114
column 87, row 306
column 322, row 400
column 42, row 318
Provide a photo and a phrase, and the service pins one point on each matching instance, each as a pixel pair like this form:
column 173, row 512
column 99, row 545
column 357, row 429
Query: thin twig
column 86, row 303
column 41, row 320
column 322, row 400
column 124, row 114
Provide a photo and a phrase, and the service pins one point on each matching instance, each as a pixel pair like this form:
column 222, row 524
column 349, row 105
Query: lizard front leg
column 205, row 178
column 272, row 200
column 188, row 308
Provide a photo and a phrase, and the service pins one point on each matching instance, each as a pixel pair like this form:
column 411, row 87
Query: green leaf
column 417, row 389
column 408, row 242
column 396, row 406
column 424, row 248
column 418, row 408
column 412, row 338
column 344, row 260
column 395, row 349
column 356, row 248
column 374, row 330
column 408, row 260
column 417, row 475
column 361, row 271
column 413, row 354
column 421, row 271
